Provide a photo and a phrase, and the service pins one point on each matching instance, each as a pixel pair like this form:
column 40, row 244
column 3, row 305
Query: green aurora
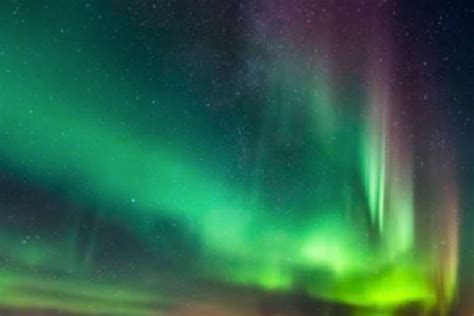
column 286, row 202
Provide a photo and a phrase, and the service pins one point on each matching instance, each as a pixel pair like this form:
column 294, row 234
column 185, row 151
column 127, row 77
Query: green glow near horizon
column 20, row 290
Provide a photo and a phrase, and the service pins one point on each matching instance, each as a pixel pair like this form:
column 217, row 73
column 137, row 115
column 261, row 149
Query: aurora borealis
column 260, row 157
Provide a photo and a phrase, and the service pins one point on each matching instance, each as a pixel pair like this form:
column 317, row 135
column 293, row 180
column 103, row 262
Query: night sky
column 223, row 158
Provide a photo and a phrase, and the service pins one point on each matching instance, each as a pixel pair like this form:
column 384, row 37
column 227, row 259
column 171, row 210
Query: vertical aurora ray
column 387, row 168
column 374, row 162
